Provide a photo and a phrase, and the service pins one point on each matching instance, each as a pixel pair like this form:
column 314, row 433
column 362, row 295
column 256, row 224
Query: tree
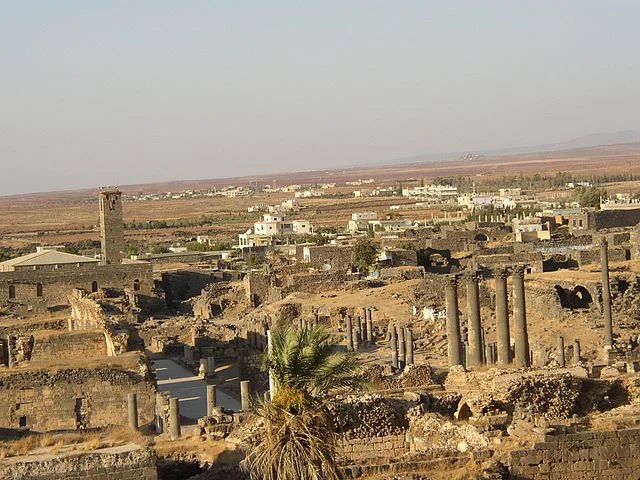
column 157, row 249
column 364, row 253
column 297, row 441
column 590, row 197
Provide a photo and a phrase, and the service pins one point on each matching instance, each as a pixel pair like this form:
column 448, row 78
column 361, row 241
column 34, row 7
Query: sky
column 120, row 92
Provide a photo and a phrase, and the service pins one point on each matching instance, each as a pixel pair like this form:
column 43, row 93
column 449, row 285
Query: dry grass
column 86, row 441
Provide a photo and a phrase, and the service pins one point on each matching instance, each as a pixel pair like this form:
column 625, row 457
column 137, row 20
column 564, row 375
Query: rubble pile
column 218, row 425
column 433, row 432
column 369, row 416
column 554, row 396
column 412, row 376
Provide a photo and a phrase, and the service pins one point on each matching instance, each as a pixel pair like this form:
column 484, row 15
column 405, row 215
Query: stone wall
column 23, row 327
column 184, row 284
column 316, row 282
column 339, row 257
column 57, row 285
column 256, row 287
column 87, row 313
column 580, row 456
column 357, row 450
column 533, row 260
column 72, row 398
column 613, row 219
column 635, row 243
column 105, row 464
column 586, row 257
column 50, row 347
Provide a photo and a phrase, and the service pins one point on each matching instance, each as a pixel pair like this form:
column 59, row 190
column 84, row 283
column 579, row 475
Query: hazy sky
column 106, row 92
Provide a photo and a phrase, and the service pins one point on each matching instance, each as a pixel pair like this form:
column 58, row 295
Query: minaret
column 111, row 226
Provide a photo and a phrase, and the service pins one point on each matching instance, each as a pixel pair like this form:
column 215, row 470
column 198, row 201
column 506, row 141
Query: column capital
column 450, row 280
column 472, row 276
column 518, row 271
column 501, row 272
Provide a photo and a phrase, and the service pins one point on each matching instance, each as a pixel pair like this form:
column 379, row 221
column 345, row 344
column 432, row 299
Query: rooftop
column 44, row 257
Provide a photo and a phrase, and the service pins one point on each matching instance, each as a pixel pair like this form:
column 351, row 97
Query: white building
column 438, row 191
column 364, row 216
column 311, row 193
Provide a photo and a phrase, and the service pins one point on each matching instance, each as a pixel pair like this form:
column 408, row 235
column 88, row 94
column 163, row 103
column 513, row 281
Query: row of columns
column 401, row 346
column 561, row 358
column 477, row 350
column 174, row 407
column 359, row 332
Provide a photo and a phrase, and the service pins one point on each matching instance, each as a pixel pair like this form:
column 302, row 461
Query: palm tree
column 298, row 438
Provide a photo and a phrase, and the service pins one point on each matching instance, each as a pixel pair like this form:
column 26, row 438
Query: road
column 189, row 388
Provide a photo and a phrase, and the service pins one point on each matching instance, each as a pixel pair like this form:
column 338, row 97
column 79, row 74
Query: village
column 496, row 336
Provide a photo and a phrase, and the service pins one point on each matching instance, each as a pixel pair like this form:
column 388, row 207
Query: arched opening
column 562, row 296
column 481, row 237
column 136, row 285
column 583, row 297
column 12, row 292
column 94, row 286
column 39, row 292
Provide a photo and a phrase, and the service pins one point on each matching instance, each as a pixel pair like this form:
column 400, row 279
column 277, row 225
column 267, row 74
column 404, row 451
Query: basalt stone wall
column 256, row 287
column 316, row 282
column 73, row 398
column 110, row 464
column 53, row 287
column 340, row 258
column 613, row 219
column 184, row 284
column 580, row 456
column 532, row 260
column 586, row 257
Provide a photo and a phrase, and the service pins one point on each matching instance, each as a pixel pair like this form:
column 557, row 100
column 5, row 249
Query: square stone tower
column 111, row 226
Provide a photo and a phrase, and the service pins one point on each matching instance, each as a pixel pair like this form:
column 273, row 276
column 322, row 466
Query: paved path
column 190, row 389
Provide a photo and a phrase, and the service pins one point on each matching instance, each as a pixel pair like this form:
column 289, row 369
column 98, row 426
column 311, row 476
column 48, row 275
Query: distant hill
column 584, row 154
column 616, row 138
column 592, row 140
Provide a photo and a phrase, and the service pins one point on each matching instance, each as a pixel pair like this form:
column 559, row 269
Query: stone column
column 576, row 351
column 132, row 407
column 272, row 382
column 522, row 358
column 408, row 338
column 402, row 358
column 212, row 399
column 174, row 418
column 349, row 333
column 188, row 355
column 394, row 348
column 488, row 353
column 474, row 326
column 606, row 294
column 211, row 366
column 363, row 329
column 561, row 358
column 245, row 395
column 502, row 318
column 369, row 327
column 453, row 322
